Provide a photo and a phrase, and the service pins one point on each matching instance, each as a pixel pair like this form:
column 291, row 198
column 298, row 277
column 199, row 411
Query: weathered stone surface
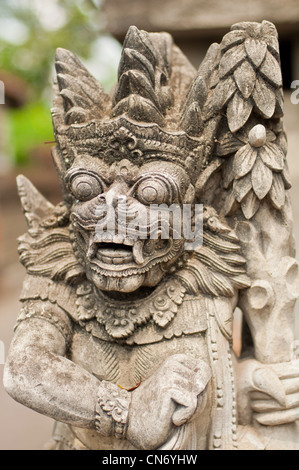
column 125, row 338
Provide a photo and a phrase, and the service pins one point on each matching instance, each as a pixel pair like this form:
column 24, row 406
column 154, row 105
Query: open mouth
column 118, row 253
column 113, row 253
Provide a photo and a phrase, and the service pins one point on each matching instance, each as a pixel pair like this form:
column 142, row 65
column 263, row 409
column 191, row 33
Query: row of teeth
column 137, row 250
column 114, row 260
column 132, row 271
column 113, row 239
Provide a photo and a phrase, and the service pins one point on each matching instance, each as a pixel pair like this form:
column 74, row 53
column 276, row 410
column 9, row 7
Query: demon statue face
column 122, row 158
column 122, row 257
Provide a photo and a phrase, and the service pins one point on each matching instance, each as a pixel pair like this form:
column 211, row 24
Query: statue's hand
column 268, row 392
column 167, row 399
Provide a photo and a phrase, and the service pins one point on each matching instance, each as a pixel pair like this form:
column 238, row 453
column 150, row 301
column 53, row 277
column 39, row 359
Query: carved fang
column 138, row 252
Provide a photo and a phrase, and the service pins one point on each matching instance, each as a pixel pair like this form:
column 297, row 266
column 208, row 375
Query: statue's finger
column 293, row 400
column 286, row 370
column 256, row 396
column 262, row 403
column 196, row 374
column 265, row 380
column 276, row 418
column 264, row 406
column 187, row 404
column 291, row 385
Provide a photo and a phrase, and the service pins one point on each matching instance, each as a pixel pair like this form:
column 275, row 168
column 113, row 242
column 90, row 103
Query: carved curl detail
column 123, row 144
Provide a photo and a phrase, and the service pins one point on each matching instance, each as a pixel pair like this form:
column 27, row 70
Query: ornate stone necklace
column 121, row 318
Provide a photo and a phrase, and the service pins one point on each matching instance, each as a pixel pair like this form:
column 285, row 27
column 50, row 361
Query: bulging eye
column 154, row 190
column 85, row 186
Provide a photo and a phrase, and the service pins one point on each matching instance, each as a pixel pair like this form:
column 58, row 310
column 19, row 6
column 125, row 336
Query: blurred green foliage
column 30, row 126
column 30, row 32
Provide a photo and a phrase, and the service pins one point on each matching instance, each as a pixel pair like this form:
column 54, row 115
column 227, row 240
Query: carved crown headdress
column 152, row 113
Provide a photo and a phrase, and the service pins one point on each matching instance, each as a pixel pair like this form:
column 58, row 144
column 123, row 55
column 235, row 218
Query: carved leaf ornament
column 249, row 86
column 249, row 73
column 258, row 171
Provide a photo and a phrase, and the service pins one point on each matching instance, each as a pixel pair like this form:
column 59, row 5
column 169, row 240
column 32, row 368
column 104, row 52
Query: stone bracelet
column 112, row 408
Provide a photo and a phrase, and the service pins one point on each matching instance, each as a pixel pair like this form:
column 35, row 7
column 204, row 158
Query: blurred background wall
column 30, row 31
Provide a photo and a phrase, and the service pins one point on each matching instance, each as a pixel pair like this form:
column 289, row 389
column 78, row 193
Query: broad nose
column 116, row 194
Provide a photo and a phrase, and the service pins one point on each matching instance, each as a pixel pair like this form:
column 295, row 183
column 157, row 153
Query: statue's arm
column 38, row 375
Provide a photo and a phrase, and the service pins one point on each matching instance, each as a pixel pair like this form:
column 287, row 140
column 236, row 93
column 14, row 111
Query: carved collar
column 121, row 318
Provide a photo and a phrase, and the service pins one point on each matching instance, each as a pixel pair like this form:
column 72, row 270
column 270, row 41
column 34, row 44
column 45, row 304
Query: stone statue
column 125, row 332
